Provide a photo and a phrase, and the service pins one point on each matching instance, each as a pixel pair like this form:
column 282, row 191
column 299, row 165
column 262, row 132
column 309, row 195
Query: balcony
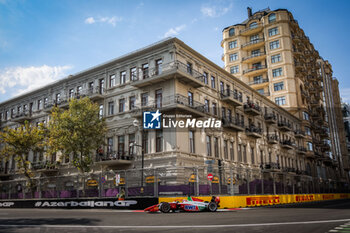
column 253, row 44
column 251, row 30
column 284, row 126
column 270, row 118
column 299, row 134
column 289, row 170
column 22, row 117
column 47, row 168
column 255, row 70
column 301, row 150
column 234, row 124
column 168, row 71
column 254, row 58
column 5, row 173
column 259, row 83
column 253, row 131
column 174, row 103
column 310, row 154
column 231, row 97
column 96, row 93
column 272, row 139
column 287, row 144
column 271, row 167
column 252, row 109
column 114, row 159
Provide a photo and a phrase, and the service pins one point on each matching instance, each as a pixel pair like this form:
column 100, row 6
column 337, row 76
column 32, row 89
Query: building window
column 205, row 75
column 252, row 155
column 234, row 57
column 278, row 86
column 309, row 146
column 234, row 69
column 253, row 25
column 216, row 147
column 71, row 93
column 159, row 98
column 131, row 143
column 192, row 145
column 215, row 111
column 111, row 108
column 109, row 145
column 274, row 44
column 273, row 31
column 261, row 91
column 208, row 145
column 231, row 151
column 112, row 80
column 145, row 71
column 225, row 149
column 122, row 105
column 132, row 101
column 144, row 99
column 306, row 116
column 307, row 131
column 133, row 76
column 231, row 32
column 245, row 153
column 100, row 113
column 190, row 98
column 206, row 105
column 79, row 90
column 275, row 58
column 102, row 85
column 277, row 72
column 121, row 145
column 40, row 104
column 258, row 79
column 159, row 140
column 189, row 68
column 239, row 151
column 212, row 82
column 122, row 77
column 280, row 100
column 272, row 18
column 232, row 44
column 159, row 66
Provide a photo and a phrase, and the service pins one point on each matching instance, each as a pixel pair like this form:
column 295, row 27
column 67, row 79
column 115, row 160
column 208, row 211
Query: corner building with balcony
column 271, row 53
column 259, row 144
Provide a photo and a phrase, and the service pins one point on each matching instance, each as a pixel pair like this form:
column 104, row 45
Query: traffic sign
column 210, row 176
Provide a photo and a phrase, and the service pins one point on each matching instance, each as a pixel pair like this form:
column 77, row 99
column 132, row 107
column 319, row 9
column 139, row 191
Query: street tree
column 18, row 142
column 77, row 131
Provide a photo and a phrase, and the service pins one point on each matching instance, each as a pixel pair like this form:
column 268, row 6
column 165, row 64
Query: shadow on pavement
column 15, row 224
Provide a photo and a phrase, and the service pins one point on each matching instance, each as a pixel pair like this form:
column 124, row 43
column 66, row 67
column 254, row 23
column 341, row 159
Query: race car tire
column 165, row 207
column 212, row 206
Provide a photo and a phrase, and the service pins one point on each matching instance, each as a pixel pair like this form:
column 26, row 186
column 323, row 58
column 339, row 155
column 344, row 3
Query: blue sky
column 42, row 41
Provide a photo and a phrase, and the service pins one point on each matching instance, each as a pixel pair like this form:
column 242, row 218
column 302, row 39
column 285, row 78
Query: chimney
column 249, row 10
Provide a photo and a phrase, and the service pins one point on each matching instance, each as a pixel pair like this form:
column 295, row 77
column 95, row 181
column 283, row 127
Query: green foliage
column 78, row 131
column 19, row 142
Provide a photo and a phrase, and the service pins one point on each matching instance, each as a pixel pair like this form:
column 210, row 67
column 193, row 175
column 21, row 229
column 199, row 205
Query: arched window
column 253, row 25
column 272, row 17
column 231, row 32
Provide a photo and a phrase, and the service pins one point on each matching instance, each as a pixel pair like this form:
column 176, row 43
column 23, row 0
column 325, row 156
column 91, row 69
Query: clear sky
column 42, row 41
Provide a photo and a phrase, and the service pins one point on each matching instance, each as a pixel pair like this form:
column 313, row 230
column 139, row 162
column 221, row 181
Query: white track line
column 194, row 226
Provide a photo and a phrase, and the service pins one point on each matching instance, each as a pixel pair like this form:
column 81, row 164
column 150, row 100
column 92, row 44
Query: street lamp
column 136, row 124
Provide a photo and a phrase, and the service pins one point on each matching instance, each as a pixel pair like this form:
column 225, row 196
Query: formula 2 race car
column 192, row 204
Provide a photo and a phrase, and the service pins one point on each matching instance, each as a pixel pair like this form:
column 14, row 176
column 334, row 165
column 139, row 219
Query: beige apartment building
column 271, row 53
column 259, row 141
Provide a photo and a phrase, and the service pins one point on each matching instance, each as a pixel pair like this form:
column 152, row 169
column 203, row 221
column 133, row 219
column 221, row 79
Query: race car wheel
column 212, row 206
column 164, row 207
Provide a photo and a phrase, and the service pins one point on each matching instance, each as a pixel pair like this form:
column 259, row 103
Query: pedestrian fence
column 169, row 181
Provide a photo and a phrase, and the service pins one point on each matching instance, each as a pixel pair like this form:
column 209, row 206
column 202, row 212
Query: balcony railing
column 248, row 29
column 251, row 108
column 285, row 126
column 272, row 139
column 252, row 43
column 254, row 131
column 271, row 166
column 157, row 74
column 232, row 97
column 114, row 155
column 261, row 67
column 233, row 123
column 270, row 118
column 259, row 81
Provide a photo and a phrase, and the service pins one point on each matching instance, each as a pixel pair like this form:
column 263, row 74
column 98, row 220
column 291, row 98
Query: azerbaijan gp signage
column 90, row 204
column 104, row 203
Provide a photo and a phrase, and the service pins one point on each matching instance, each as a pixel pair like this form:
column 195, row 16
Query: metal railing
column 233, row 94
column 261, row 67
column 256, row 41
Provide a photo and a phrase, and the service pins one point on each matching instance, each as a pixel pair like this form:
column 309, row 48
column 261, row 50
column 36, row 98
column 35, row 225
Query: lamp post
column 136, row 124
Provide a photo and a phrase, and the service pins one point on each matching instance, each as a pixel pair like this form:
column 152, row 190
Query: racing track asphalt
column 308, row 218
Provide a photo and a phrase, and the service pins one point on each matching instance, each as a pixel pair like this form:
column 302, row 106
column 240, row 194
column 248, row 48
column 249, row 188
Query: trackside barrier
column 264, row 200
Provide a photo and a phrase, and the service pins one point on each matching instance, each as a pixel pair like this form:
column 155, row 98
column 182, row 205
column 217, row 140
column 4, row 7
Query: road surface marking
column 193, row 226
